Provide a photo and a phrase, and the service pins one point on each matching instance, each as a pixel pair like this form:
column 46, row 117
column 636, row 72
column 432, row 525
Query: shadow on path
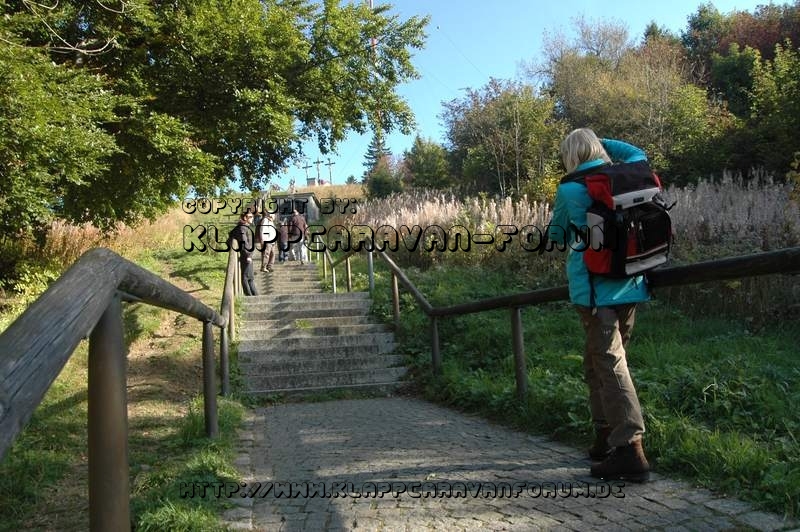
column 402, row 444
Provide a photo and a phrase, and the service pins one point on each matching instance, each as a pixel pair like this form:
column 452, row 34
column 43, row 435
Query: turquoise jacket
column 572, row 201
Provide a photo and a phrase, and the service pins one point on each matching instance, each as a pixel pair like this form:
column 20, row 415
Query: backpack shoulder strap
column 580, row 175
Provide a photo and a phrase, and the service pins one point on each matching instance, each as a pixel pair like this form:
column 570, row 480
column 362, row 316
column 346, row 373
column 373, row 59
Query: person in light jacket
column 607, row 308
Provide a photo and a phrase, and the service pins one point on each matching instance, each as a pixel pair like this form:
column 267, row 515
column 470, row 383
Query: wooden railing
column 773, row 262
column 85, row 302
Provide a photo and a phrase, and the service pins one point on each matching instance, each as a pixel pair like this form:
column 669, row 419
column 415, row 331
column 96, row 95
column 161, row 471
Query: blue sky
column 470, row 41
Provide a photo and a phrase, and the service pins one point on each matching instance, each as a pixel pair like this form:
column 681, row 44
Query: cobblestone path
column 399, row 444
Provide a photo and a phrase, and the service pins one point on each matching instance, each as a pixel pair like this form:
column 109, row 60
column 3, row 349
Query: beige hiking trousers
column 612, row 397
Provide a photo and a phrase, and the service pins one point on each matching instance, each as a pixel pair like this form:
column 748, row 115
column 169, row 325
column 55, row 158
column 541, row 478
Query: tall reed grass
column 711, row 220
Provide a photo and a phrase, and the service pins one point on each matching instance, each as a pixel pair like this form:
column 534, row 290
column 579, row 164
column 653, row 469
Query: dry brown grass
column 711, row 220
column 733, row 217
column 337, row 191
column 66, row 242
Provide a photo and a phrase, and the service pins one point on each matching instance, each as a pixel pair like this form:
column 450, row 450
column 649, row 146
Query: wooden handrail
column 85, row 303
column 405, row 281
column 780, row 261
column 227, row 310
column 785, row 261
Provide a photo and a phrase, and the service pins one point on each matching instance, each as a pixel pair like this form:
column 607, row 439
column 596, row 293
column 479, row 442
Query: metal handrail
column 85, row 302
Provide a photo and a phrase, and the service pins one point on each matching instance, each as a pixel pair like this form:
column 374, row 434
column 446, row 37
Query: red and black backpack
column 628, row 228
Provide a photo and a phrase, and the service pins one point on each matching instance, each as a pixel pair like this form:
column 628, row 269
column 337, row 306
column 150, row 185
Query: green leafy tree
column 701, row 39
column 647, row 97
column 208, row 90
column 383, row 180
column 776, row 106
column 52, row 137
column 426, row 165
column 502, row 136
column 733, row 76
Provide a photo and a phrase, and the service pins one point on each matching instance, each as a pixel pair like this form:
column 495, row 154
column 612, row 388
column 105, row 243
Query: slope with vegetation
column 715, row 363
column 44, row 476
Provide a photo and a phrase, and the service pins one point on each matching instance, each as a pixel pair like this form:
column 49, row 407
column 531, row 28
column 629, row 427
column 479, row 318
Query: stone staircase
column 297, row 338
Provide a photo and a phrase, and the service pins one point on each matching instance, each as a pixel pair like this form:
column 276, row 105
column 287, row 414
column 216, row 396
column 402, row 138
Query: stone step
column 276, row 277
column 324, row 380
column 288, row 283
column 307, row 322
column 277, row 280
column 268, row 368
column 279, row 299
column 294, row 312
column 295, row 337
column 320, row 342
column 276, row 351
column 292, row 331
column 266, row 290
column 379, row 387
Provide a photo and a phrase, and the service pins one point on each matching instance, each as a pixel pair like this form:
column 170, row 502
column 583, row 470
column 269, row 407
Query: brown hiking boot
column 624, row 463
column 600, row 449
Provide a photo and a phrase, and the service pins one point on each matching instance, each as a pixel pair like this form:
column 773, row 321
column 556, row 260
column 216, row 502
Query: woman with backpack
column 606, row 307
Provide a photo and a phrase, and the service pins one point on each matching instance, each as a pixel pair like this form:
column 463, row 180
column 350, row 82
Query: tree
column 705, row 29
column 647, row 97
column 382, row 180
column 655, row 32
column 426, row 165
column 376, row 152
column 501, row 136
column 207, row 90
column 776, row 106
column 50, row 136
column 732, row 76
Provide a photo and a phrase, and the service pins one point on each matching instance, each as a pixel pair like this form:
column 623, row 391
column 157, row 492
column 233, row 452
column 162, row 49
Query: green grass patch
column 719, row 396
column 190, row 457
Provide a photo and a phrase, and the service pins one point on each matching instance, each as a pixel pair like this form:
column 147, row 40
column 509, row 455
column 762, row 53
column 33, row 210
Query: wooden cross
column 317, row 162
column 329, row 164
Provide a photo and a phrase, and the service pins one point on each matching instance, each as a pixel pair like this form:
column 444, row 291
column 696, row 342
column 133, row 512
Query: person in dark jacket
column 283, row 241
column 297, row 236
column 242, row 240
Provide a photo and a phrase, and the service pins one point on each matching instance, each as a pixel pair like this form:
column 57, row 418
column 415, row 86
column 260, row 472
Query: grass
column 43, row 477
column 718, row 393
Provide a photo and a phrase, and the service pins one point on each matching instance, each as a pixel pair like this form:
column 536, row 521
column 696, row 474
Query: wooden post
column 209, row 382
column 237, row 278
column 232, row 321
column 324, row 266
column 349, row 276
column 436, row 357
column 395, row 302
column 109, row 491
column 224, row 363
column 520, row 370
column 371, row 273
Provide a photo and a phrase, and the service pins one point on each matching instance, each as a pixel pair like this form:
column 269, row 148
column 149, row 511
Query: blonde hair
column 579, row 146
